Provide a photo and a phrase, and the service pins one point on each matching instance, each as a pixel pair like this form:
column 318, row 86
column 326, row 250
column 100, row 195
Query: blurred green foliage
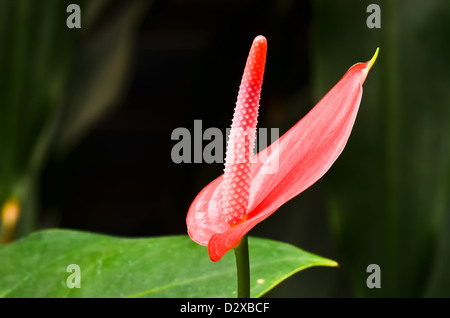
column 56, row 82
column 388, row 194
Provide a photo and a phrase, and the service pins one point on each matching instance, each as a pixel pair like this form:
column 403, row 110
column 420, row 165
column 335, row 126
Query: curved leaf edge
column 318, row 260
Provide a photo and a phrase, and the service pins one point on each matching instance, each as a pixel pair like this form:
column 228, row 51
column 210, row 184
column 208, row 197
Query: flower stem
column 243, row 269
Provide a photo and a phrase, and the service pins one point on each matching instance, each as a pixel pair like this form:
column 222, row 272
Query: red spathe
column 304, row 155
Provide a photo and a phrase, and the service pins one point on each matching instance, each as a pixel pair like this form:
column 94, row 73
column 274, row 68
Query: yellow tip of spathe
column 374, row 58
column 369, row 65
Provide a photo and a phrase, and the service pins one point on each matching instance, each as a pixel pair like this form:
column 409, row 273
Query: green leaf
column 173, row 266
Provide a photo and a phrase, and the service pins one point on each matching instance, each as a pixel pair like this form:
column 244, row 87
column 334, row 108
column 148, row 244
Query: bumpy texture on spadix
column 305, row 153
column 237, row 175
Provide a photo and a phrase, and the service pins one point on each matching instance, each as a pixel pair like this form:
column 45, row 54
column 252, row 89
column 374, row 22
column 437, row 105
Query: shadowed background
column 86, row 118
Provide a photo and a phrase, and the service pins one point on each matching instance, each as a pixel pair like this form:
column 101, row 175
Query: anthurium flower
column 231, row 205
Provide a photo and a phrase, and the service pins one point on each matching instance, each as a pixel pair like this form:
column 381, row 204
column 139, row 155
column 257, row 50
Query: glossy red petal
column 309, row 148
column 305, row 153
column 203, row 219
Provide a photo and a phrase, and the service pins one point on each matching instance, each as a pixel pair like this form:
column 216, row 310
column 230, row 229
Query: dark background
column 187, row 65
column 86, row 118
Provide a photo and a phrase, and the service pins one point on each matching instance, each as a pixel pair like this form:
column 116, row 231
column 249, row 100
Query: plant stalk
column 243, row 268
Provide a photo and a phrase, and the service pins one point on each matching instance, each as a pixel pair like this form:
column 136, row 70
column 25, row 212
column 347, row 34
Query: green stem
column 243, row 268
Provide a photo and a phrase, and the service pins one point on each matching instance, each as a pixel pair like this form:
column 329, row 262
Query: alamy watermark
column 374, row 18
column 73, row 21
column 74, row 279
column 190, row 147
column 374, row 279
